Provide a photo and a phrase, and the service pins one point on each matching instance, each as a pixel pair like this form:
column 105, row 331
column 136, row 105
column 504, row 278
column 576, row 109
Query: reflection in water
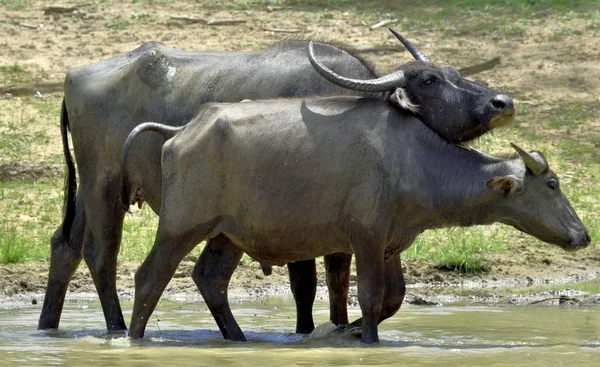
column 184, row 334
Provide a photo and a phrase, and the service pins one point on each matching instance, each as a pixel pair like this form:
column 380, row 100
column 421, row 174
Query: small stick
column 562, row 299
column 225, row 21
column 27, row 25
column 282, row 30
column 191, row 19
column 478, row 68
column 32, row 88
column 63, row 9
column 382, row 23
column 209, row 22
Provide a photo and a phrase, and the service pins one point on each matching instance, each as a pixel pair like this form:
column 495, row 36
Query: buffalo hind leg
column 100, row 250
column 337, row 268
column 64, row 259
column 212, row 274
column 303, row 282
column 395, row 289
column 154, row 274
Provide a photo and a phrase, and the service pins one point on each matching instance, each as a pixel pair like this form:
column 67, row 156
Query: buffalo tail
column 70, row 186
column 166, row 131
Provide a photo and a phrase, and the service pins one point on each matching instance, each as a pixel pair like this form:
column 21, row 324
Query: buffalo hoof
column 349, row 330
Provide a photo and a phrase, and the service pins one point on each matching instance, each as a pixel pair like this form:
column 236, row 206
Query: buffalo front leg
column 101, row 244
column 152, row 277
column 212, row 274
column 337, row 268
column 370, row 275
column 65, row 256
column 303, row 282
column 395, row 289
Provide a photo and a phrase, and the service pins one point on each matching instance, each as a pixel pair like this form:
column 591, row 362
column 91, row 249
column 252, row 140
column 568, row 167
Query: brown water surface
column 184, row 334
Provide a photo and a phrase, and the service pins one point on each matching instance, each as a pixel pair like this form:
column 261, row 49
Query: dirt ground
column 541, row 68
column 544, row 266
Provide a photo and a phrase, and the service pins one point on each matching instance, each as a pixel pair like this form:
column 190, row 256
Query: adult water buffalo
column 292, row 179
column 106, row 100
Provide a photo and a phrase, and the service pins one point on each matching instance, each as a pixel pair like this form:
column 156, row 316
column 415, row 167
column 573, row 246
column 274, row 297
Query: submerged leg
column 212, row 274
column 371, row 284
column 395, row 289
column 64, row 259
column 337, row 267
column 303, row 282
column 100, row 250
column 152, row 277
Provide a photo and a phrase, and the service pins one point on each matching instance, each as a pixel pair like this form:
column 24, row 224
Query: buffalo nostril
column 502, row 102
column 588, row 239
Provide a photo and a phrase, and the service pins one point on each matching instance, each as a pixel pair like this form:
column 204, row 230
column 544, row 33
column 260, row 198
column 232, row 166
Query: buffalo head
column 536, row 204
column 457, row 109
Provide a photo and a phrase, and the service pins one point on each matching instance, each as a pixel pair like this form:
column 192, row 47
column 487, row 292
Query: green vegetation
column 15, row 4
column 12, row 248
column 567, row 132
column 35, row 208
column 13, row 74
column 27, row 129
column 118, row 25
column 459, row 249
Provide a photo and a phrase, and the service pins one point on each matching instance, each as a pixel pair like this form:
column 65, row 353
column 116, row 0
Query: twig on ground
column 561, row 300
column 32, row 88
column 192, row 20
column 21, row 24
column 478, row 68
column 225, row 21
column 282, row 30
column 63, row 9
column 382, row 23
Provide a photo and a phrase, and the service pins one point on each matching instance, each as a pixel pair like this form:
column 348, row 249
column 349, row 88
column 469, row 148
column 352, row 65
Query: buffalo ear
column 400, row 99
column 506, row 185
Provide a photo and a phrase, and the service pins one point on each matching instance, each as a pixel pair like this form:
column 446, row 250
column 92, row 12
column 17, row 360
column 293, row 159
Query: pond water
column 184, row 334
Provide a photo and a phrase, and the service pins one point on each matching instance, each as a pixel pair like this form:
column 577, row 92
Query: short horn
column 535, row 165
column 383, row 84
column 410, row 47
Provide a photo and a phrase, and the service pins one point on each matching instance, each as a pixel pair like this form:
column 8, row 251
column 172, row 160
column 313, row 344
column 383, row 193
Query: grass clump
column 462, row 250
column 12, row 247
column 15, row 4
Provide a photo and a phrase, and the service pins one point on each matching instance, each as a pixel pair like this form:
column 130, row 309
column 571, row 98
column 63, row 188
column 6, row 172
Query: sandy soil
column 541, row 68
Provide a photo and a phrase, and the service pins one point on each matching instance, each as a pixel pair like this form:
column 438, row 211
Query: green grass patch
column 118, row 25
column 12, row 246
column 139, row 229
column 13, row 74
column 462, row 250
column 18, row 244
column 434, row 11
column 15, row 4
column 29, row 131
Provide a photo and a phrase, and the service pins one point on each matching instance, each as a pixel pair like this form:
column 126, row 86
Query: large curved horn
column 383, row 84
column 410, row 47
column 536, row 165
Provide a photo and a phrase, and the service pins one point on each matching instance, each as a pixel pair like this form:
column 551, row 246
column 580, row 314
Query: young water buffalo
column 106, row 100
column 290, row 180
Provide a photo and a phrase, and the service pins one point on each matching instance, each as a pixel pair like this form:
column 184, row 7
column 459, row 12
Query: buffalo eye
column 553, row 184
column 428, row 82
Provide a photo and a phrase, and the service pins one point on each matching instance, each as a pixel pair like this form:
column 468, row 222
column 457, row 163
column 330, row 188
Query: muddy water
column 184, row 334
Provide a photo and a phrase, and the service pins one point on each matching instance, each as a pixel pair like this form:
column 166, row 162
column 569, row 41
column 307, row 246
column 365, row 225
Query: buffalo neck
column 450, row 184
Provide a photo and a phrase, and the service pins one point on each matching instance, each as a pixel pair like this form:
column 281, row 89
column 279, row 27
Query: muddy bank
column 522, row 268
